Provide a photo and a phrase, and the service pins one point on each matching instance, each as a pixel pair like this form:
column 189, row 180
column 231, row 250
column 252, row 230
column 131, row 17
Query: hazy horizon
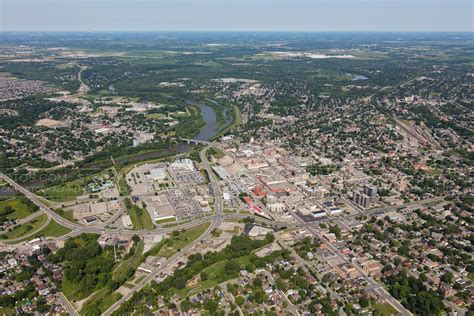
column 236, row 16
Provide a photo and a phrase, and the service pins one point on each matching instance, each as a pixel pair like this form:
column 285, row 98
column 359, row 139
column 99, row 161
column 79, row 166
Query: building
column 319, row 213
column 370, row 191
column 226, row 196
column 108, row 240
column 183, row 165
column 157, row 174
column 372, row 267
column 361, row 199
column 276, row 207
column 334, row 211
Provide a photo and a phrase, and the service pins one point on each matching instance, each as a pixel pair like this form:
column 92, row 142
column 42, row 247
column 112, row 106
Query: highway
column 78, row 229
column 216, row 220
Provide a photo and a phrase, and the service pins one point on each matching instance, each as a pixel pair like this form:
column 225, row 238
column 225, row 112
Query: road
column 78, row 229
column 291, row 307
column 31, row 233
column 216, row 220
column 372, row 283
column 66, row 304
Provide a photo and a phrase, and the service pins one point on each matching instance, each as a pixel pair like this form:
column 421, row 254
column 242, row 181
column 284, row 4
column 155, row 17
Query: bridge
column 196, row 141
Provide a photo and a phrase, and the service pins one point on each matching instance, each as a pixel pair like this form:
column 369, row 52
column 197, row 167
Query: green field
column 166, row 220
column 139, row 216
column 217, row 275
column 26, row 228
column 121, row 272
column 65, row 214
column 176, row 243
column 65, row 192
column 53, row 229
column 385, row 309
column 168, row 247
column 69, row 191
column 100, row 302
column 21, row 209
column 154, row 116
column 123, row 186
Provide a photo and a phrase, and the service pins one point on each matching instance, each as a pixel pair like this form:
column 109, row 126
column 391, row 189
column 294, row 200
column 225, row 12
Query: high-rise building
column 362, row 199
column 371, row 191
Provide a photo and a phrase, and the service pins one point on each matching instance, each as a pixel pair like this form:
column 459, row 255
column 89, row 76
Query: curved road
column 215, row 223
column 77, row 228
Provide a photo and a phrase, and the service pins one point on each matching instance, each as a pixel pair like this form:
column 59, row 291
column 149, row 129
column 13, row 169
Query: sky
column 236, row 15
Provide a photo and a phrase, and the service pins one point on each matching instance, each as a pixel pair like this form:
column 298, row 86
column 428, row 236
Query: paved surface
column 31, row 233
column 66, row 304
column 78, row 229
column 372, row 283
column 215, row 222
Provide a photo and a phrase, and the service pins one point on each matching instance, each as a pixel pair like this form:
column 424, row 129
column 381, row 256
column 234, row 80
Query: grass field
column 176, row 243
column 168, row 247
column 21, row 210
column 65, row 214
column 154, row 116
column 53, row 229
column 139, row 216
column 65, row 192
column 385, row 309
column 133, row 262
column 100, row 302
column 217, row 275
column 166, row 220
column 69, row 191
column 26, row 228
column 123, row 186
column 433, row 172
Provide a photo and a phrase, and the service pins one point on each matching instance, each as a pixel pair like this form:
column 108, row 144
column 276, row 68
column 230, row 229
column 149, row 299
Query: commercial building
column 276, row 207
column 183, row 165
column 319, row 213
column 157, row 174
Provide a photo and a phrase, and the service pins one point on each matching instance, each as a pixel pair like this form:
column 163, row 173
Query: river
column 209, row 116
column 209, row 130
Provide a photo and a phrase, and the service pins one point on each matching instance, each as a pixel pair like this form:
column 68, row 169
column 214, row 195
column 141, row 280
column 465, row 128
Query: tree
column 231, row 267
column 211, row 306
column 363, row 301
column 136, row 238
column 335, row 230
column 447, row 277
column 185, row 305
column 180, row 283
column 239, row 300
